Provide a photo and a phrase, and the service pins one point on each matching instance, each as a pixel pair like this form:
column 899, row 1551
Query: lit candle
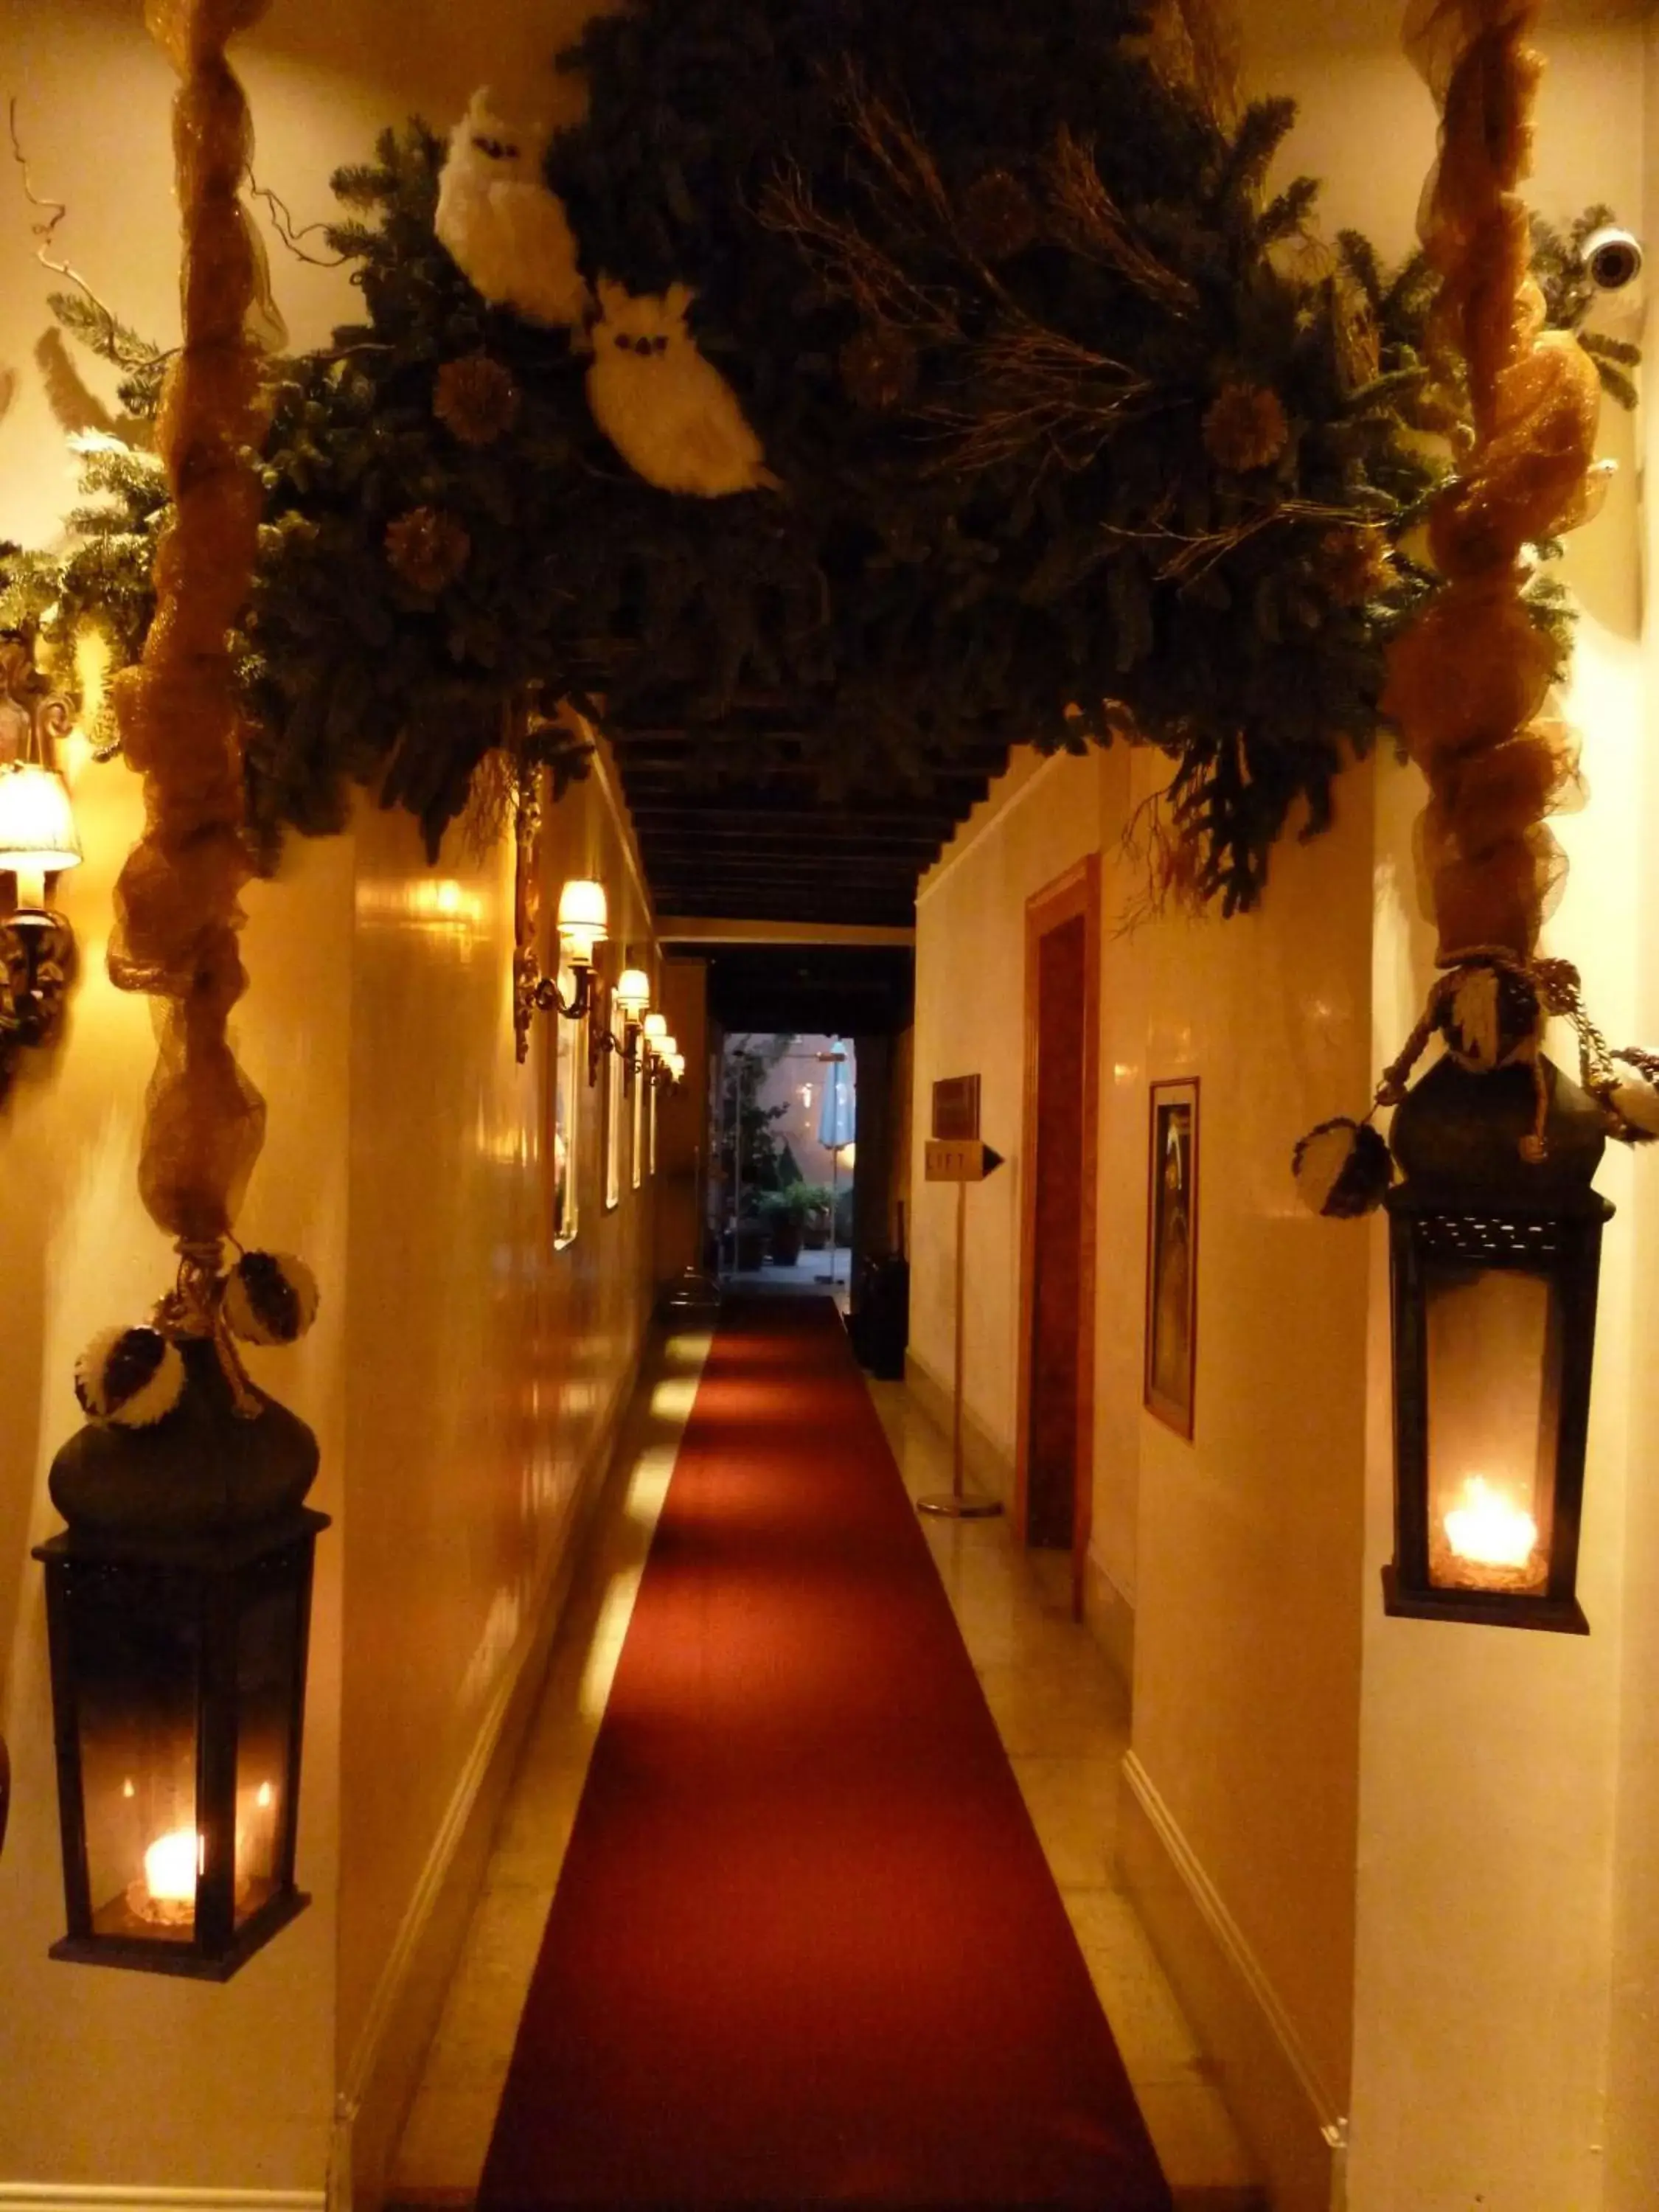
column 171, row 1866
column 31, row 888
column 1487, row 1529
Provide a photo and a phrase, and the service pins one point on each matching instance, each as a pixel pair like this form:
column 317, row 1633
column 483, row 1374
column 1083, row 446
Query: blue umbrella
column 838, row 1115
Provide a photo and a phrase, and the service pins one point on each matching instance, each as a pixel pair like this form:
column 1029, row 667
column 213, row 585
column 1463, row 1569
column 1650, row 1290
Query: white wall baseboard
column 1110, row 1617
column 1273, row 2089
column 111, row 2197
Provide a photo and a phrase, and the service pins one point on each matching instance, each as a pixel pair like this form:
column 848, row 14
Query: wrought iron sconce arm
column 548, row 998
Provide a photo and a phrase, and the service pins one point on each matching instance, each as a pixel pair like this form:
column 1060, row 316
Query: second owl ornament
column 665, row 408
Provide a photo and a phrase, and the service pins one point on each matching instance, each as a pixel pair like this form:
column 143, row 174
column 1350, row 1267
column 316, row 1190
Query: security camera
column 1611, row 259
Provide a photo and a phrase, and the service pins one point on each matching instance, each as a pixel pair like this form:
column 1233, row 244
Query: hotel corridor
column 804, row 1946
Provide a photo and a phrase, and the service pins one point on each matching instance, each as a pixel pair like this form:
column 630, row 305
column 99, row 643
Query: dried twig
column 1197, row 552
column 1165, row 848
column 1095, row 226
column 281, row 221
column 1046, row 393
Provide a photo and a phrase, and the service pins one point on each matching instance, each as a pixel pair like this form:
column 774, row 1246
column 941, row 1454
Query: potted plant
column 815, row 1215
column 784, row 1214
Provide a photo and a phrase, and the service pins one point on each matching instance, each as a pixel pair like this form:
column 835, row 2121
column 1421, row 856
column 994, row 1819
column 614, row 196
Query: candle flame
column 171, row 1866
column 1487, row 1528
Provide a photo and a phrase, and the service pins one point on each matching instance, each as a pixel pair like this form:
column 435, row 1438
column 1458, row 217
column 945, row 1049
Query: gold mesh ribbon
column 1467, row 682
column 177, row 910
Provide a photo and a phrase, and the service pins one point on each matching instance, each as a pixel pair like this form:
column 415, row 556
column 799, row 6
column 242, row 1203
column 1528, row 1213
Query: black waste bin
column 879, row 1322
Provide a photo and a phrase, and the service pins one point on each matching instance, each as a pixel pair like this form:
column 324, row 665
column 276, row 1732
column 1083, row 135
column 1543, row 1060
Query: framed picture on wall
column 639, row 1086
column 613, row 1111
column 569, row 1054
column 1172, row 1254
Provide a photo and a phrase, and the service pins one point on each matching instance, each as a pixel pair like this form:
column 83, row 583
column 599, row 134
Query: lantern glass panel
column 1494, row 1346
column 136, row 1712
column 268, row 1662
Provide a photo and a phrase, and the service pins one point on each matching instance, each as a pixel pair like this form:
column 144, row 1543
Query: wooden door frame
column 1076, row 893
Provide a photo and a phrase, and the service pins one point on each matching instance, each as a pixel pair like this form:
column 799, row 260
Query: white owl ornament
column 496, row 219
column 668, row 412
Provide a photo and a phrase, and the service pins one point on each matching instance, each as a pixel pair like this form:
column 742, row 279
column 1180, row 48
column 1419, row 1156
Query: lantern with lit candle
column 1495, row 1259
column 177, row 1603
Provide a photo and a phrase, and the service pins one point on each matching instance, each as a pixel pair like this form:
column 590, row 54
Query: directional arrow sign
column 960, row 1159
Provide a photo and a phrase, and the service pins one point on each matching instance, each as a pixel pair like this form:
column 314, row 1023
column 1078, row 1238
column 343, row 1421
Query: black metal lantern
column 1495, row 1259
column 178, row 1612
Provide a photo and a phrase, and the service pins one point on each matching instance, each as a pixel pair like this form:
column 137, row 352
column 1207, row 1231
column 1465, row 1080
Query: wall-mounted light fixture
column 38, row 841
column 632, row 993
column 583, row 924
column 1495, row 1258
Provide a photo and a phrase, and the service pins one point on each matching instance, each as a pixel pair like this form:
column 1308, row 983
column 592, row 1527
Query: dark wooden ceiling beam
column 852, row 821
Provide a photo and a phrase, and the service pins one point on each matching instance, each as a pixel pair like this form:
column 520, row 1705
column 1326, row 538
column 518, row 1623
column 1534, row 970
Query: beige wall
column 1496, row 1923
column 1239, row 1549
column 1633, row 2135
column 1432, row 1846
column 462, row 1374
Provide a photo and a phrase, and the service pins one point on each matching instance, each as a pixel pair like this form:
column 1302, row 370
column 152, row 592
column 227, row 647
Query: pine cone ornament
column 132, row 1376
column 1356, row 564
column 878, row 370
column 270, row 1298
column 1245, row 428
column 998, row 217
column 475, row 399
column 1490, row 1018
column 427, row 548
column 1342, row 1169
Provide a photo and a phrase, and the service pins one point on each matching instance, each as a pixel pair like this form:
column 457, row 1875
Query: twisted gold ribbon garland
column 178, row 915
column 1468, row 682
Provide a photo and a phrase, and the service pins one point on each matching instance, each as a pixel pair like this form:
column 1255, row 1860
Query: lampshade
column 37, row 825
column 656, row 1029
column 632, row 992
column 584, row 919
column 665, row 1047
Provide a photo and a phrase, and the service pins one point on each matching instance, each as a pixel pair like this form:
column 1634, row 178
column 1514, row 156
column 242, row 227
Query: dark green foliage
column 1042, row 544
column 1021, row 600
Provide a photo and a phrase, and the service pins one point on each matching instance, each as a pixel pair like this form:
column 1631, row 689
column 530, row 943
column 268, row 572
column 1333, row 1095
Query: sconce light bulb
column 37, row 829
column 584, row 920
column 632, row 992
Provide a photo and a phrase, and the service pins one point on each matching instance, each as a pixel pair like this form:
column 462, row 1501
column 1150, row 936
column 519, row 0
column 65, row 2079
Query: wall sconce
column 632, row 993
column 1494, row 1265
column 37, row 840
column 583, row 923
column 177, row 1637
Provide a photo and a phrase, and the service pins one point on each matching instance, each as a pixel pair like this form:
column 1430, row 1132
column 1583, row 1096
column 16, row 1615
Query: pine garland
column 1078, row 439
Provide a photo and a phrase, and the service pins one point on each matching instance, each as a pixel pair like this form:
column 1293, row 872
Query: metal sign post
column 960, row 1160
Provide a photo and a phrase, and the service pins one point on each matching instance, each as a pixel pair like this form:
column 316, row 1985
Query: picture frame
column 1172, row 1221
column 614, row 1117
column 566, row 1087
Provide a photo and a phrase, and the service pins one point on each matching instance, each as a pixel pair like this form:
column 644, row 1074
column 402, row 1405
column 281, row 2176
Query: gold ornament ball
column 878, row 370
column 998, row 217
column 1245, row 428
column 475, row 399
column 427, row 548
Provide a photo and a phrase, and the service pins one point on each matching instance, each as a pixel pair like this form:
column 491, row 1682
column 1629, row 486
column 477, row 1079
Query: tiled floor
column 1064, row 1723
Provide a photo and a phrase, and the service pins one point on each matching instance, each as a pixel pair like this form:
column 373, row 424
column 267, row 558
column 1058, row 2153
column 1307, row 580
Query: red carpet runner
column 805, row 1948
